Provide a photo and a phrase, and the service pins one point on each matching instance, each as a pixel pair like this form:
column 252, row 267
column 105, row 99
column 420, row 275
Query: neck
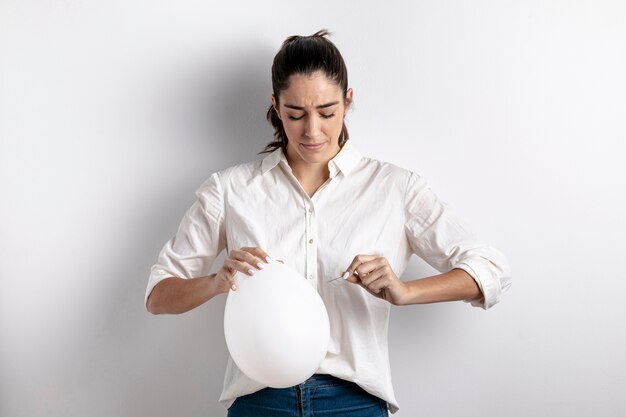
column 308, row 173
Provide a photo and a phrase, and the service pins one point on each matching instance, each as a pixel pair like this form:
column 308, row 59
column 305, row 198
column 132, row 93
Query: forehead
column 310, row 90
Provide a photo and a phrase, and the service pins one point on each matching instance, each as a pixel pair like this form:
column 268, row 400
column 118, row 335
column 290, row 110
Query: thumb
column 354, row 277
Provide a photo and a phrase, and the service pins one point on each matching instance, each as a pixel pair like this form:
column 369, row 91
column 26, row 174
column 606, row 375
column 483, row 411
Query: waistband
column 326, row 380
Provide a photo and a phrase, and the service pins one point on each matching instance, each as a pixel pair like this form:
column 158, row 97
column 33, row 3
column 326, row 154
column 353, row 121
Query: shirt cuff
column 489, row 284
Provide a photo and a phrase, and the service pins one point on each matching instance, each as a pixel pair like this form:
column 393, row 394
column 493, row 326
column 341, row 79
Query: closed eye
column 325, row 116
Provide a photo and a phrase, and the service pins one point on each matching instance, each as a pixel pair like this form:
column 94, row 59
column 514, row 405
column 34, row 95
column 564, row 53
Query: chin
column 314, row 158
column 326, row 152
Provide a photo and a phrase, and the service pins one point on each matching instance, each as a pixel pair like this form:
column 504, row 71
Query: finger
column 366, row 270
column 232, row 281
column 376, row 283
column 239, row 266
column 353, row 279
column 374, row 293
column 369, row 267
column 357, row 261
column 373, row 276
column 247, row 257
column 383, row 281
column 259, row 253
column 226, row 277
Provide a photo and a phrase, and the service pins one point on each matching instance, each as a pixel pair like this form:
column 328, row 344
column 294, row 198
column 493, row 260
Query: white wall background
column 112, row 114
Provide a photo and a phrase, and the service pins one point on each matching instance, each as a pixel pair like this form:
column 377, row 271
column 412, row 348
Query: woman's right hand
column 245, row 260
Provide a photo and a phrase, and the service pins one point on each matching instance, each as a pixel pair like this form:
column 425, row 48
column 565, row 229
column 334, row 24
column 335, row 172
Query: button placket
column 311, row 246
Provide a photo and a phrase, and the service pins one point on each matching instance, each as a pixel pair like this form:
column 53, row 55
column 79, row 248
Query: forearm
column 450, row 286
column 177, row 295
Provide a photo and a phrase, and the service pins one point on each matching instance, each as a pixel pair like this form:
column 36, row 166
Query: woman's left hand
column 373, row 273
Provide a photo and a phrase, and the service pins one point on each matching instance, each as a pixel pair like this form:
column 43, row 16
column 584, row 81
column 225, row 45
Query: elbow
column 152, row 306
column 155, row 301
column 159, row 300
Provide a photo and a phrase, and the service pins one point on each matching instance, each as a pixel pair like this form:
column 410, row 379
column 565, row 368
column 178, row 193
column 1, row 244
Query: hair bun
column 323, row 33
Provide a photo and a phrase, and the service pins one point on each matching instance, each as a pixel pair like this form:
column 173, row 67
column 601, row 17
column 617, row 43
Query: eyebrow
column 321, row 106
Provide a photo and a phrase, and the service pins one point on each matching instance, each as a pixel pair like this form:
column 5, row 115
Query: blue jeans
column 319, row 396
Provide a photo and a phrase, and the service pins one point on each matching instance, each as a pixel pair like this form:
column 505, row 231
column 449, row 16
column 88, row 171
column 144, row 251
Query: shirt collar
column 345, row 161
column 347, row 158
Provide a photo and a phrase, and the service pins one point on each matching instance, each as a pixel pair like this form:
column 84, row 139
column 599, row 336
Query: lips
column 313, row 146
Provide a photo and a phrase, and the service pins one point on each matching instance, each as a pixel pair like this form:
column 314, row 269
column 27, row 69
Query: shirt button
column 310, row 210
column 310, row 240
column 310, row 276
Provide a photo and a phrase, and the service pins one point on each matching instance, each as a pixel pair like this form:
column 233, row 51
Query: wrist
column 212, row 287
column 406, row 294
column 413, row 292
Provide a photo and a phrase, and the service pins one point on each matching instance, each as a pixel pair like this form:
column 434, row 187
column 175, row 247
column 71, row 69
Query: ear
column 348, row 101
column 275, row 105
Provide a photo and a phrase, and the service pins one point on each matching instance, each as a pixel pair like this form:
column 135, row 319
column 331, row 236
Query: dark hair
column 304, row 55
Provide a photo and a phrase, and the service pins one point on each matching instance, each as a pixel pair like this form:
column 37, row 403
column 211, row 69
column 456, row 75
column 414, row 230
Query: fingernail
column 233, row 287
column 260, row 265
column 268, row 259
column 345, row 275
column 250, row 271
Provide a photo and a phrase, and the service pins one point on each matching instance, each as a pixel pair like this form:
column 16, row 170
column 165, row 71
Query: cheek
column 335, row 126
column 290, row 126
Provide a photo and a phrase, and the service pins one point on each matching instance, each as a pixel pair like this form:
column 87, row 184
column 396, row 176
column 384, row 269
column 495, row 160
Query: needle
column 344, row 276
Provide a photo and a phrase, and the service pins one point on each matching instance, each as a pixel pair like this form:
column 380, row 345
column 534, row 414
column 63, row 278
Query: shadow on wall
column 174, row 365
column 224, row 104
column 243, row 97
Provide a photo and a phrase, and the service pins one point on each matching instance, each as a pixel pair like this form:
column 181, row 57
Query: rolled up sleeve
column 199, row 240
column 437, row 235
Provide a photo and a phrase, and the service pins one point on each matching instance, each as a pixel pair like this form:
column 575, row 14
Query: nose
column 312, row 127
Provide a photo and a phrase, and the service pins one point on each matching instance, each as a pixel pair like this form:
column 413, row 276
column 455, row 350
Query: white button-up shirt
column 365, row 207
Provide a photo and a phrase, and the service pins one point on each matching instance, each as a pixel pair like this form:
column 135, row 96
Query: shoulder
column 389, row 172
column 235, row 174
column 241, row 172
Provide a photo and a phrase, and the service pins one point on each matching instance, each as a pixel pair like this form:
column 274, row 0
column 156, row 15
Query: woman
column 315, row 202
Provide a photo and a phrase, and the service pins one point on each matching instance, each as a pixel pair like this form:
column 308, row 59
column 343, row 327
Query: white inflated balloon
column 276, row 326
